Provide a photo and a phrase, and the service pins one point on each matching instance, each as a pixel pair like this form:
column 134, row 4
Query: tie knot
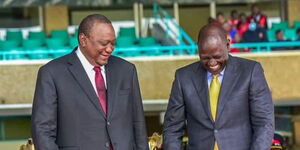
column 97, row 69
column 215, row 76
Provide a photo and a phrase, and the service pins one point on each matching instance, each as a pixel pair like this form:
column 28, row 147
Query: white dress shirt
column 89, row 69
column 209, row 77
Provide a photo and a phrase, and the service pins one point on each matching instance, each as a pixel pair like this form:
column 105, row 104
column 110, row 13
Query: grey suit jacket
column 67, row 114
column 245, row 113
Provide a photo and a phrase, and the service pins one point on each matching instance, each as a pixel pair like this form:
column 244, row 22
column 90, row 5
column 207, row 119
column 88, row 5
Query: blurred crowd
column 243, row 28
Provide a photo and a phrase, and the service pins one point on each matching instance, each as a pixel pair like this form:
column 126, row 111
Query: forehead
column 212, row 45
column 102, row 29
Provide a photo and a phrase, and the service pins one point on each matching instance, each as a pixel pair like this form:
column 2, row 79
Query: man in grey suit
column 88, row 99
column 222, row 103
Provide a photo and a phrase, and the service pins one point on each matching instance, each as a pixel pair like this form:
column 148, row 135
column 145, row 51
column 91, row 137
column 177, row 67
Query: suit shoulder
column 56, row 63
column 120, row 61
column 189, row 67
column 245, row 62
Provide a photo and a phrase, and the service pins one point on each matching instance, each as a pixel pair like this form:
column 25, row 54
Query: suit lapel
column 83, row 80
column 111, row 85
column 200, row 82
column 229, row 81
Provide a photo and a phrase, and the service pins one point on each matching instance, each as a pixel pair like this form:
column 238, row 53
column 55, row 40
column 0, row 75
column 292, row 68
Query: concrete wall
column 282, row 70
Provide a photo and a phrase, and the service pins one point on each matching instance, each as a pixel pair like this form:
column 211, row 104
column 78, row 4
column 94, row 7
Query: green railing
column 267, row 46
column 183, row 44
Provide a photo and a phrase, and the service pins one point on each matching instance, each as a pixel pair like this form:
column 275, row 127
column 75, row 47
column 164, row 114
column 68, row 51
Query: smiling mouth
column 214, row 67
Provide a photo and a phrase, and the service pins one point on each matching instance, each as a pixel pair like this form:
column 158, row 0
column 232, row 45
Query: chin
column 101, row 63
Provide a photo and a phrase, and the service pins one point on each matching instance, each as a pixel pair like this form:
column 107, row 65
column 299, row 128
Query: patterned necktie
column 100, row 86
column 214, row 91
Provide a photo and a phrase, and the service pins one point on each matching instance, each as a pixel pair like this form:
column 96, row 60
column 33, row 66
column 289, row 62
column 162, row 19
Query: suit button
column 107, row 144
column 216, row 131
column 108, row 123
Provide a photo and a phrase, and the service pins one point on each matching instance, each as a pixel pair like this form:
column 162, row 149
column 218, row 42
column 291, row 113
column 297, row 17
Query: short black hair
column 278, row 31
column 233, row 12
column 220, row 14
column 87, row 23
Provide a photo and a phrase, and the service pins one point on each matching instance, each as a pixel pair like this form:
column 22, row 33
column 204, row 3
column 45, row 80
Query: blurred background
column 158, row 36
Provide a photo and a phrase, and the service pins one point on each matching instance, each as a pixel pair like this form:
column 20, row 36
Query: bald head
column 212, row 33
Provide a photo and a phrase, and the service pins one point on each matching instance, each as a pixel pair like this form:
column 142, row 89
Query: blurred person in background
column 254, row 34
column 243, row 25
column 211, row 20
column 231, row 32
column 257, row 17
column 278, row 142
column 222, row 102
column 89, row 99
column 234, row 19
column 220, row 18
column 279, row 36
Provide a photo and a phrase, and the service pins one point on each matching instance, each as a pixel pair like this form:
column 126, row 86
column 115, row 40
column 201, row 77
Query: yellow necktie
column 214, row 91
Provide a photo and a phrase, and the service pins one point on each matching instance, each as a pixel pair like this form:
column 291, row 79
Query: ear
column 228, row 43
column 82, row 40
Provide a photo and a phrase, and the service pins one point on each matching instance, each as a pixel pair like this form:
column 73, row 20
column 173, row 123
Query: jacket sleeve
column 261, row 110
column 174, row 122
column 139, row 125
column 44, row 112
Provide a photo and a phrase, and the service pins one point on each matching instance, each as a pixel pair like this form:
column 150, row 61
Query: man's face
column 214, row 55
column 255, row 10
column 99, row 44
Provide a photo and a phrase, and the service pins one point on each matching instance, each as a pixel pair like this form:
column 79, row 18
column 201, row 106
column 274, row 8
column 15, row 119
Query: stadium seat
column 271, row 35
column 127, row 31
column 281, row 25
column 61, row 34
column 55, row 43
column 73, row 42
column 15, row 36
column 147, row 41
column 40, row 35
column 297, row 24
column 125, row 41
column 13, row 47
column 29, row 44
column 9, row 45
column 290, row 34
column 34, row 48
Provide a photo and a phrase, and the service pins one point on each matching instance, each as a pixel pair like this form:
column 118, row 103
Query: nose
column 110, row 48
column 212, row 62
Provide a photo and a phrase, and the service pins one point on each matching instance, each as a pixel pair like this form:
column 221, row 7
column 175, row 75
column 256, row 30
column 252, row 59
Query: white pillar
column 136, row 19
column 176, row 12
column 212, row 7
column 41, row 17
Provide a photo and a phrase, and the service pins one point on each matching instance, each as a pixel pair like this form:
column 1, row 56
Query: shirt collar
column 85, row 62
column 209, row 75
